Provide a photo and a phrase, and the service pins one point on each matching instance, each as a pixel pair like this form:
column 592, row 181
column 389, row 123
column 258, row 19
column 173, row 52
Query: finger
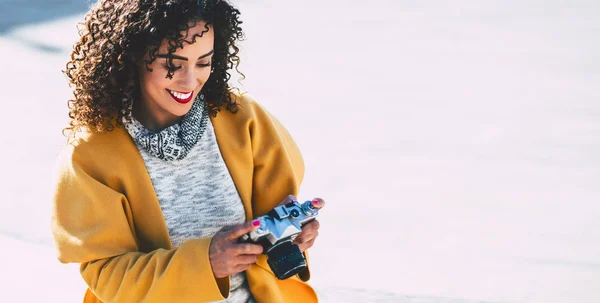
column 309, row 228
column 248, row 249
column 226, row 229
column 318, row 203
column 246, row 259
column 305, row 237
column 241, row 268
column 307, row 245
column 299, row 240
column 242, row 229
column 309, row 231
column 314, row 224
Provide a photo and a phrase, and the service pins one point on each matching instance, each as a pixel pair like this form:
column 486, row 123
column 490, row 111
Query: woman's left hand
column 310, row 230
column 306, row 239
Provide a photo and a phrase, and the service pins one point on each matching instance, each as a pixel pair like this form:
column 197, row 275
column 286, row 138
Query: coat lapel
column 148, row 220
column 235, row 146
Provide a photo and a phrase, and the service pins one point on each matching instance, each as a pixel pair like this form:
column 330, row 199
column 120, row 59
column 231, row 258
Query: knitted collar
column 175, row 141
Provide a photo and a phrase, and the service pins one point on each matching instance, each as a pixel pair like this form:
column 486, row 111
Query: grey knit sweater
column 197, row 196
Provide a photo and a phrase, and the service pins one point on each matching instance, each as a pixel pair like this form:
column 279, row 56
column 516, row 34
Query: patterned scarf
column 175, row 141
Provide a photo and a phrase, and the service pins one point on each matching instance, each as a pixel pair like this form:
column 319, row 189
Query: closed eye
column 175, row 68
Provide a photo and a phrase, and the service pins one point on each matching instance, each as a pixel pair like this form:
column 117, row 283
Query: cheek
column 202, row 77
column 205, row 74
column 155, row 81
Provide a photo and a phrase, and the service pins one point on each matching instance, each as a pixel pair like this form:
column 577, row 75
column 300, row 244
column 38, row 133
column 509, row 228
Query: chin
column 181, row 111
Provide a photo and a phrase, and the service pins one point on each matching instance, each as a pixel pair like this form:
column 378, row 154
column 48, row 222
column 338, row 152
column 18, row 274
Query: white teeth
column 180, row 95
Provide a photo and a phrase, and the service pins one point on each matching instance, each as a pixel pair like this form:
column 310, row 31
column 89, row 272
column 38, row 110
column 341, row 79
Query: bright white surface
column 456, row 145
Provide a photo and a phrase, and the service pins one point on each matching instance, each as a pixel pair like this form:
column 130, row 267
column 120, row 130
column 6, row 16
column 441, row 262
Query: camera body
column 276, row 234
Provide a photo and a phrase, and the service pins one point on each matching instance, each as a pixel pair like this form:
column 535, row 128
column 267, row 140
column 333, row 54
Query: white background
column 457, row 145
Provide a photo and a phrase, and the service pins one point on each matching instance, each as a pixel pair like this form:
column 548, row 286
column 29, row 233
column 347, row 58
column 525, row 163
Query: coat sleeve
column 92, row 225
column 278, row 167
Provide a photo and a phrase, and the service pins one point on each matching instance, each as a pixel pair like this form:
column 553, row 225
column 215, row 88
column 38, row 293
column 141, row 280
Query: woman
column 166, row 162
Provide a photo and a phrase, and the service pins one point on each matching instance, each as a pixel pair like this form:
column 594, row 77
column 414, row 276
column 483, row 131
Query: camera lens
column 285, row 259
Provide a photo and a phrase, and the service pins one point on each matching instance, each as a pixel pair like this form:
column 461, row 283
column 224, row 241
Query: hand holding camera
column 228, row 256
column 285, row 232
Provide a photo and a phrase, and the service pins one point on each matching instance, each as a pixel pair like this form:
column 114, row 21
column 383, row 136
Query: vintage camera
column 276, row 234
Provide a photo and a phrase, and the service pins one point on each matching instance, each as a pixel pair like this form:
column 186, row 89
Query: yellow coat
column 106, row 215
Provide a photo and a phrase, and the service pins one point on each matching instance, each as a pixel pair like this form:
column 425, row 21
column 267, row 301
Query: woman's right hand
column 227, row 255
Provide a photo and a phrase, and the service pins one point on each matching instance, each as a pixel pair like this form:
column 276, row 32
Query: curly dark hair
column 116, row 35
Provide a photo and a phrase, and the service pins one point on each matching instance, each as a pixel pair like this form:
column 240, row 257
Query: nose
column 188, row 80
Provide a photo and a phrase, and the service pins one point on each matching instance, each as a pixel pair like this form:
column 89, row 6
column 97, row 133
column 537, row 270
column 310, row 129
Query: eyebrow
column 184, row 58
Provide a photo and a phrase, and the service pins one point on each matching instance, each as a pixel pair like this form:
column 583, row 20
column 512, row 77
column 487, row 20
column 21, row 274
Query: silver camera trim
column 274, row 227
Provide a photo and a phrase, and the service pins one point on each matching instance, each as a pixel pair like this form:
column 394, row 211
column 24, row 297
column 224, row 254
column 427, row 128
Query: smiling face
column 164, row 101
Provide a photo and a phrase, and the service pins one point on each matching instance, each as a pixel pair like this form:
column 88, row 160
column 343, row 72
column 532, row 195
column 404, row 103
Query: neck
column 153, row 120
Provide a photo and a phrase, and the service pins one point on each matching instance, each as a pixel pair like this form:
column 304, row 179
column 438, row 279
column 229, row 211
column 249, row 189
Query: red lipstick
column 181, row 97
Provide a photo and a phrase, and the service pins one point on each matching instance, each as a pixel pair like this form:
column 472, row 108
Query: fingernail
column 317, row 202
column 256, row 223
